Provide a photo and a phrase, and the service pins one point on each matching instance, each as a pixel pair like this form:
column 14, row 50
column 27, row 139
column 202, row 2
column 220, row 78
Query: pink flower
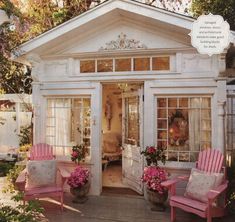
column 78, row 177
column 153, row 176
column 74, row 154
column 151, row 149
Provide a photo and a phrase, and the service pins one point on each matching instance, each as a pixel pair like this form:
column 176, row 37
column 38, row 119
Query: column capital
column 36, row 64
column 221, row 106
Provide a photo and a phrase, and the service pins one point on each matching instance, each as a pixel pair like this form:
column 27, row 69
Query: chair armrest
column 64, row 173
column 21, row 180
column 169, row 183
column 183, row 177
column 212, row 194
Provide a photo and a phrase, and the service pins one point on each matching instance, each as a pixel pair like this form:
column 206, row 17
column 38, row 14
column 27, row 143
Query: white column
column 96, row 150
column 36, row 113
column 221, row 126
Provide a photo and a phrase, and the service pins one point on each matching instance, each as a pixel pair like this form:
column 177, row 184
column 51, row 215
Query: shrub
column 5, row 167
column 31, row 212
column 11, row 178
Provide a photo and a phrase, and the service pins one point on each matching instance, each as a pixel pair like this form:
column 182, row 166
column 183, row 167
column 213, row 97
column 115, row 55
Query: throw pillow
column 200, row 183
column 40, row 173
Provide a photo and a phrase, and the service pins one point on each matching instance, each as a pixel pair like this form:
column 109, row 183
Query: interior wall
column 112, row 100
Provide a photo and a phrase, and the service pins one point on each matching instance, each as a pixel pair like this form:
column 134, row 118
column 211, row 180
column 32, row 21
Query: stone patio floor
column 110, row 208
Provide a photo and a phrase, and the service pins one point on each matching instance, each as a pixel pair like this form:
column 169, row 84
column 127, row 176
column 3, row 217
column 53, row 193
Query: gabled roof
column 110, row 6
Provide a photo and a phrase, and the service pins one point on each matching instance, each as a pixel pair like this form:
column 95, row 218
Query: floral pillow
column 200, row 183
column 40, row 173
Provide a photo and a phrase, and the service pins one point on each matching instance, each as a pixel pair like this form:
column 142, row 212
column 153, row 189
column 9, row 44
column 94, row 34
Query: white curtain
column 59, row 124
column 194, row 124
column 199, row 124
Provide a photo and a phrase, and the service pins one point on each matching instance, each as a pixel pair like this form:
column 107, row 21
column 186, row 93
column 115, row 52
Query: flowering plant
column 153, row 155
column 78, row 153
column 79, row 177
column 153, row 176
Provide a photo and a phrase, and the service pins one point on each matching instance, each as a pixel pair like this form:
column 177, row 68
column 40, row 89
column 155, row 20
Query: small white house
column 126, row 69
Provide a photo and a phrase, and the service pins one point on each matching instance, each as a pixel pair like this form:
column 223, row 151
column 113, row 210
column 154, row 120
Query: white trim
column 124, row 5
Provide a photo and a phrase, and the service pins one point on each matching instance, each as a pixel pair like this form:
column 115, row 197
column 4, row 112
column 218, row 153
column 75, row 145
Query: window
column 156, row 63
column 87, row 66
column 161, row 63
column 183, row 126
column 122, row 65
column 68, row 123
column 132, row 121
column 141, row 64
column 105, row 65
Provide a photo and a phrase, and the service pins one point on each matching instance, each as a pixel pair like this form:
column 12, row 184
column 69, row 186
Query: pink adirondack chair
column 52, row 190
column 211, row 161
column 41, row 151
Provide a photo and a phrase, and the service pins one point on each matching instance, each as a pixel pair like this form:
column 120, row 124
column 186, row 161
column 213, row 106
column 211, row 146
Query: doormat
column 106, row 191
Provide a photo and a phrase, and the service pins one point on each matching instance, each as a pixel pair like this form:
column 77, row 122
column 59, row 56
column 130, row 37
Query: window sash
column 197, row 107
column 68, row 123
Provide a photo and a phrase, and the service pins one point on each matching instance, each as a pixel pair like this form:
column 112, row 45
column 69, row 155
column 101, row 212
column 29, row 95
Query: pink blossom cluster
column 74, row 154
column 78, row 177
column 151, row 149
column 153, row 176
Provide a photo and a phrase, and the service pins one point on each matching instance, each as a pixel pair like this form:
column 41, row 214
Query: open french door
column 132, row 139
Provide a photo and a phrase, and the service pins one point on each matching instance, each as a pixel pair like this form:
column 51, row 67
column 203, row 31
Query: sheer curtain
column 199, row 124
column 59, row 125
column 194, row 124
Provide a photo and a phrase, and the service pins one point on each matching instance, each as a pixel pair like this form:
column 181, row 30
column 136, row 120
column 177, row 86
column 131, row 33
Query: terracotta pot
column 80, row 193
column 157, row 199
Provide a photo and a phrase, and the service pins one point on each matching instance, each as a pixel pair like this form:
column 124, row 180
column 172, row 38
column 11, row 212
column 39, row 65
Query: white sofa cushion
column 200, row 183
column 40, row 173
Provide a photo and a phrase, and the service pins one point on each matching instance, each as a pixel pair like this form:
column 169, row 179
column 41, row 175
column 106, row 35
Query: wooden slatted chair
column 41, row 154
column 43, row 190
column 41, row 151
column 209, row 161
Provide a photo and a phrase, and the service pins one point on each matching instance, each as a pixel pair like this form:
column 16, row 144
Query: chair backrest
column 210, row 160
column 41, row 151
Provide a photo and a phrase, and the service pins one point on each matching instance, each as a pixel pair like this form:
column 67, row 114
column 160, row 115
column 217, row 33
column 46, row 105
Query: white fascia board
column 126, row 5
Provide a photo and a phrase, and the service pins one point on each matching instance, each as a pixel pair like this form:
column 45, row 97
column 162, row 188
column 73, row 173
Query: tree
column 216, row 7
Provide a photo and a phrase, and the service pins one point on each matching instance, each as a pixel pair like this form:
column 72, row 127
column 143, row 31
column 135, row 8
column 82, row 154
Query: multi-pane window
column 132, row 121
column 105, row 65
column 161, row 63
column 122, row 65
column 87, row 66
column 68, row 123
column 148, row 63
column 183, row 126
column 141, row 64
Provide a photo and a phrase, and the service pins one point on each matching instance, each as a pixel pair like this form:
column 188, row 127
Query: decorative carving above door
column 122, row 43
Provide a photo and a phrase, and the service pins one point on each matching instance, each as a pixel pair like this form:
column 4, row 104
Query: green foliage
column 153, row 155
column 11, row 179
column 31, row 212
column 217, row 7
column 231, row 188
column 78, row 153
column 5, row 168
column 25, row 135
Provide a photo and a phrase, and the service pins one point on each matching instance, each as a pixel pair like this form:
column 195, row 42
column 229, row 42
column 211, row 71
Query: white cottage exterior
column 127, row 67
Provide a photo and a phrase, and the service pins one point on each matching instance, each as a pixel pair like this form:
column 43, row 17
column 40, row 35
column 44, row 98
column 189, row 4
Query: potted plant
column 79, row 183
column 153, row 155
column 78, row 153
column 154, row 175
